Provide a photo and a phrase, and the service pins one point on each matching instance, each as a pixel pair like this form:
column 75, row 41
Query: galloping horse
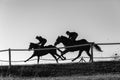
column 68, row 42
column 39, row 53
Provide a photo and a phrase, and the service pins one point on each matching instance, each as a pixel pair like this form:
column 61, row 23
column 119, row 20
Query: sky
column 22, row 20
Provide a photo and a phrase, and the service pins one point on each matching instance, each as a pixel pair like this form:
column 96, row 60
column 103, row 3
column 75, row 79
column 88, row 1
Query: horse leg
column 54, row 52
column 59, row 56
column 38, row 59
column 78, row 55
column 55, row 58
column 61, row 53
column 29, row 58
column 64, row 52
column 88, row 53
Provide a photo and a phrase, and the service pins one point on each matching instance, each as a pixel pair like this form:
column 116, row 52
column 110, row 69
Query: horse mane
column 63, row 36
column 65, row 39
column 31, row 43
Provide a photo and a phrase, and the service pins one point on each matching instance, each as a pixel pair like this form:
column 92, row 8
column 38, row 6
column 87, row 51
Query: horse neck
column 48, row 46
column 36, row 46
column 65, row 41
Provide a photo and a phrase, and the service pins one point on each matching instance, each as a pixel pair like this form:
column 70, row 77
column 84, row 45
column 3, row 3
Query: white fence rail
column 92, row 44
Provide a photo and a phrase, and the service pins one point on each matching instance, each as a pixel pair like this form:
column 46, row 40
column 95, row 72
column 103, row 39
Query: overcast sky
column 22, row 20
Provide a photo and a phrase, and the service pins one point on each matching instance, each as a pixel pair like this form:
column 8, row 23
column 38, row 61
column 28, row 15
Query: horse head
column 33, row 46
column 38, row 37
column 58, row 40
column 62, row 39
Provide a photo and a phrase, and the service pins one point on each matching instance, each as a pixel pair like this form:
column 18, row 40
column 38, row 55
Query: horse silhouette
column 68, row 42
column 40, row 53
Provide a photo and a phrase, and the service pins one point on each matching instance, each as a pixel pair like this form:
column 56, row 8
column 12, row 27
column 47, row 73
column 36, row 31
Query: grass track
column 75, row 77
column 55, row 70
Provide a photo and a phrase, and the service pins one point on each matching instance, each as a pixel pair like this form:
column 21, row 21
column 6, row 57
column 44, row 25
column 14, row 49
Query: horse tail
column 98, row 47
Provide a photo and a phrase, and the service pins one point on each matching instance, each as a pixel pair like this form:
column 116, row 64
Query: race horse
column 44, row 50
column 75, row 46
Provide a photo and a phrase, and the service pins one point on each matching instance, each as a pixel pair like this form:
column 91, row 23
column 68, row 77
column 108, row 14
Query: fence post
column 9, row 58
column 92, row 44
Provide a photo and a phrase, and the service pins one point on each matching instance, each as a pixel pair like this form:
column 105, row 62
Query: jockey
column 72, row 35
column 42, row 40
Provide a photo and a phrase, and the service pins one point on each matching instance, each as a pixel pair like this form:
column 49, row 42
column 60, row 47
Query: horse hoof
column 72, row 60
column 64, row 58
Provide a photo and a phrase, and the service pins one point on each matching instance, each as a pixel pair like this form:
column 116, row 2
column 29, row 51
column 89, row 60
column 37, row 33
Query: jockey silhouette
column 72, row 35
column 42, row 40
